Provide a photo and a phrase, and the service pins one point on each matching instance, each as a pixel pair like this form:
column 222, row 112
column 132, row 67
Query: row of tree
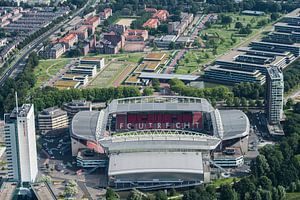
column 292, row 76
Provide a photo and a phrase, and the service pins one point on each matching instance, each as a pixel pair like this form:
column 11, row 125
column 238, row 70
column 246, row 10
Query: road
column 21, row 57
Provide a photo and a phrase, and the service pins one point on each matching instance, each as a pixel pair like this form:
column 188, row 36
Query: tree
column 265, row 183
column 225, row 19
column 148, row 91
column 260, row 166
column 281, row 192
column 238, row 25
column 156, row 84
column 160, row 195
column 111, row 194
column 46, row 179
column 227, row 193
column 274, row 16
column 297, row 108
column 172, row 45
column 134, row 195
column 71, row 189
column 266, row 195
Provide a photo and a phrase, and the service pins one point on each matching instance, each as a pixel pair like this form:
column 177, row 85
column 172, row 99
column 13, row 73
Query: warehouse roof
column 155, row 162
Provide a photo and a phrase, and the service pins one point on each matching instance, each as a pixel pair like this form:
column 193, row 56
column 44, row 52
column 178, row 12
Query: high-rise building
column 20, row 142
column 274, row 98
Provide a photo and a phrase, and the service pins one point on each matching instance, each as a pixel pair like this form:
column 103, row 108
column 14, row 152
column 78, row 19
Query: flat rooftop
column 43, row 192
column 155, row 56
column 242, row 57
column 294, row 14
column 275, row 73
column 66, row 84
column 91, row 59
column 155, row 162
column 183, row 77
column 7, row 190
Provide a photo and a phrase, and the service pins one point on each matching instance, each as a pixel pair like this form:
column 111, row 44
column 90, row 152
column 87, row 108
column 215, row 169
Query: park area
column 220, row 38
column 125, row 21
column 49, row 68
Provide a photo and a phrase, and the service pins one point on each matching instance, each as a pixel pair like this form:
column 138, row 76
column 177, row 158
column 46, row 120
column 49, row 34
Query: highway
column 21, row 57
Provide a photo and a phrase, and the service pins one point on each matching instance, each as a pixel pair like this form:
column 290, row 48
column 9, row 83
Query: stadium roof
column 155, row 162
column 84, row 125
column 183, row 77
column 235, row 124
column 157, row 140
column 159, row 103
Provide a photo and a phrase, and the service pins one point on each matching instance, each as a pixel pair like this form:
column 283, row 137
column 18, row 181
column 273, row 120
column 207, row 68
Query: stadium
column 158, row 141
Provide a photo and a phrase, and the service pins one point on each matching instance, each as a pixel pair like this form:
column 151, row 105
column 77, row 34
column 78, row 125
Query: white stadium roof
column 155, row 162
column 160, row 139
column 227, row 124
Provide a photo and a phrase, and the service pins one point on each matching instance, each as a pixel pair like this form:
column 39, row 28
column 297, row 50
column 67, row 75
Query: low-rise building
column 83, row 79
column 165, row 41
column 107, row 12
column 66, row 84
column 136, row 35
column 75, row 106
column 52, row 119
column 56, row 51
column 161, row 15
column 151, row 23
column 93, row 20
column 117, row 28
column 81, row 32
column 90, row 70
column 99, row 62
column 69, row 40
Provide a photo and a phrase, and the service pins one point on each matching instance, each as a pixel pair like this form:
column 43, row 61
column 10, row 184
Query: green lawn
column 218, row 182
column 226, row 38
column 293, row 196
column 47, row 68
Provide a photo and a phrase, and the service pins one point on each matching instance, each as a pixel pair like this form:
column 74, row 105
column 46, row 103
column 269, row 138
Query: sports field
column 125, row 21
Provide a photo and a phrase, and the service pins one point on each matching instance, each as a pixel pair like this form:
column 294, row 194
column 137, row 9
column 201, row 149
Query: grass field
column 107, row 77
column 48, row 68
column 293, row 196
column 226, row 38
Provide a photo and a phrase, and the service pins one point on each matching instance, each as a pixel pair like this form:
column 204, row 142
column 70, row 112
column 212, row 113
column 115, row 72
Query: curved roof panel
column 84, row 125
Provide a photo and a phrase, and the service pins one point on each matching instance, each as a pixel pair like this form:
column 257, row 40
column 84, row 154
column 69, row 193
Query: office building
column 21, row 144
column 52, row 119
column 274, row 98
column 75, row 106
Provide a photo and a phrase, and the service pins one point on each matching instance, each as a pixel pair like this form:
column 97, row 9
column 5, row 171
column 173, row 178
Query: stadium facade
column 158, row 141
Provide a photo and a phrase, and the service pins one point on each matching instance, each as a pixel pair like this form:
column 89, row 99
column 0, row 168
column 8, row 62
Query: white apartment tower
column 275, row 92
column 20, row 142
